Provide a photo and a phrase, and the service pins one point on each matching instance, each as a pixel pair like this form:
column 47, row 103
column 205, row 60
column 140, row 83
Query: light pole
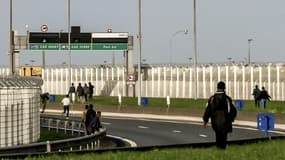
column 12, row 66
column 195, row 52
column 185, row 31
column 139, row 50
column 248, row 58
column 69, row 51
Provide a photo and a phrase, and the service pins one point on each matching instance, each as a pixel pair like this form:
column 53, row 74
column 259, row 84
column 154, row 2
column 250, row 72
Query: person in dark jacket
column 264, row 96
column 90, row 116
column 222, row 113
column 44, row 99
column 80, row 93
column 256, row 94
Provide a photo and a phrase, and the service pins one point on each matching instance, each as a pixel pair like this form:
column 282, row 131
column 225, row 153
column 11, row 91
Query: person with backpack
column 222, row 113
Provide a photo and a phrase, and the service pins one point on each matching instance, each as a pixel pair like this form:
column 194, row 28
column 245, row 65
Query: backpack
column 221, row 102
column 222, row 111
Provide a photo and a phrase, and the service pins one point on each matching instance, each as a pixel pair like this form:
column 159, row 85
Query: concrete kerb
column 251, row 124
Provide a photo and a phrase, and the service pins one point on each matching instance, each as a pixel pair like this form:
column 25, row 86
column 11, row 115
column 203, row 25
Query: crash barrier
column 83, row 142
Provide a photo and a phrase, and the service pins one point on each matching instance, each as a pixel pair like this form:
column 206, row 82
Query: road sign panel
column 78, row 46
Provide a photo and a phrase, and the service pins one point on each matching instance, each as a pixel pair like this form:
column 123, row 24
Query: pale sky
column 223, row 28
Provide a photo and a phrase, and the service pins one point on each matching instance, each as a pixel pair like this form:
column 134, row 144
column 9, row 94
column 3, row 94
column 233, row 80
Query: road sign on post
column 265, row 122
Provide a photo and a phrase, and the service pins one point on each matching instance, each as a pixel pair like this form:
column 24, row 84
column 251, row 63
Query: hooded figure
column 222, row 113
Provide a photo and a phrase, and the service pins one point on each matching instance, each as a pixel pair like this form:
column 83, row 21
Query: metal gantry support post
column 139, row 54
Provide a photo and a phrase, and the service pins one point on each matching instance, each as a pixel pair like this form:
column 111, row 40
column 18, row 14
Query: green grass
column 52, row 135
column 272, row 106
column 273, row 150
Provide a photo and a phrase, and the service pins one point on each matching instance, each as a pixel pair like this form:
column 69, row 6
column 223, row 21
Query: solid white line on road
column 203, row 135
column 132, row 143
column 143, row 127
column 106, row 123
column 176, row 131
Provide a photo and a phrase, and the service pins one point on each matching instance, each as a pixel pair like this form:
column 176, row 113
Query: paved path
column 194, row 115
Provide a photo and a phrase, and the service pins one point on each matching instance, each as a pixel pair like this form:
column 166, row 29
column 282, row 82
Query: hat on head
column 221, row 85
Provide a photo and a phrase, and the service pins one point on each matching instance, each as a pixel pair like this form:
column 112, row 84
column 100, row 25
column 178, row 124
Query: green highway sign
column 78, row 46
column 110, row 46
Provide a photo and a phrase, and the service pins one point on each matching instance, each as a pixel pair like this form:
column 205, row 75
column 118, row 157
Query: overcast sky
column 223, row 28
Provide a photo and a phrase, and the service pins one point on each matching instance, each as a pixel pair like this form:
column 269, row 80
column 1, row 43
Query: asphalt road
column 156, row 132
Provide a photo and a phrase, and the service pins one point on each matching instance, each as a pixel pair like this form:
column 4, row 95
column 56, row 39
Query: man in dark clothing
column 256, row 94
column 71, row 93
column 80, row 92
column 90, row 90
column 90, row 115
column 222, row 113
column 264, row 96
column 44, row 99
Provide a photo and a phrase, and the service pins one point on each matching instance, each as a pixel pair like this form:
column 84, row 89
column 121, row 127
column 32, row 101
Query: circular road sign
column 131, row 77
column 44, row 28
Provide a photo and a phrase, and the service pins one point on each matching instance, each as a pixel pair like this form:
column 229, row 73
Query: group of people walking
column 83, row 93
column 260, row 97
column 91, row 119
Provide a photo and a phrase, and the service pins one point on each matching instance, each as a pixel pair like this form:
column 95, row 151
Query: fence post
column 48, row 147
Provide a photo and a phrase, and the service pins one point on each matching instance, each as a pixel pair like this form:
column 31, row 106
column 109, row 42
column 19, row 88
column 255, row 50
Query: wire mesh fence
column 19, row 110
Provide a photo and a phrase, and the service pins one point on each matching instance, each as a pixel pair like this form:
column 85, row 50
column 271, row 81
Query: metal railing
column 83, row 142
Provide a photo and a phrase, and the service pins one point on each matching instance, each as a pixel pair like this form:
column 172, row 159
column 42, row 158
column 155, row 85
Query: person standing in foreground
column 66, row 103
column 222, row 113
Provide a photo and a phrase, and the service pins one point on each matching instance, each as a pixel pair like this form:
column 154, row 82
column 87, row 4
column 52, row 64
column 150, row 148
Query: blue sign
column 239, row 104
column 144, row 101
column 265, row 122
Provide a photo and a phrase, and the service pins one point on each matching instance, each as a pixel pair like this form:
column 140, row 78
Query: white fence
column 176, row 81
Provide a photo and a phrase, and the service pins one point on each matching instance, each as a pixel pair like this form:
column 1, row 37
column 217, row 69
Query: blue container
column 144, row 101
column 239, row 104
column 52, row 98
column 265, row 122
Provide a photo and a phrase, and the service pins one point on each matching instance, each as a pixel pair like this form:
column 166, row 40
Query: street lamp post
column 195, row 52
column 69, row 51
column 170, row 42
column 12, row 65
column 248, row 58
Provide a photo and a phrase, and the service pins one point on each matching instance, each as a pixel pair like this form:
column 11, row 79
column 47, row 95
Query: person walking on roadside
column 222, row 113
column 264, row 96
column 86, row 90
column 44, row 98
column 66, row 103
column 80, row 92
column 90, row 116
column 71, row 93
column 84, row 116
column 90, row 91
column 256, row 94
column 98, row 124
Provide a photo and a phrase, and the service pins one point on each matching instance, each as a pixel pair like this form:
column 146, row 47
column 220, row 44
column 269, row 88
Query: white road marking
column 106, row 123
column 176, row 131
column 203, row 135
column 143, row 127
column 132, row 143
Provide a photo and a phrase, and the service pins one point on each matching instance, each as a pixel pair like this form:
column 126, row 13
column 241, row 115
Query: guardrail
column 83, row 142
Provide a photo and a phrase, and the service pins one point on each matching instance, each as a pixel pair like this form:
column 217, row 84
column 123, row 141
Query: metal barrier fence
column 174, row 81
column 82, row 142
